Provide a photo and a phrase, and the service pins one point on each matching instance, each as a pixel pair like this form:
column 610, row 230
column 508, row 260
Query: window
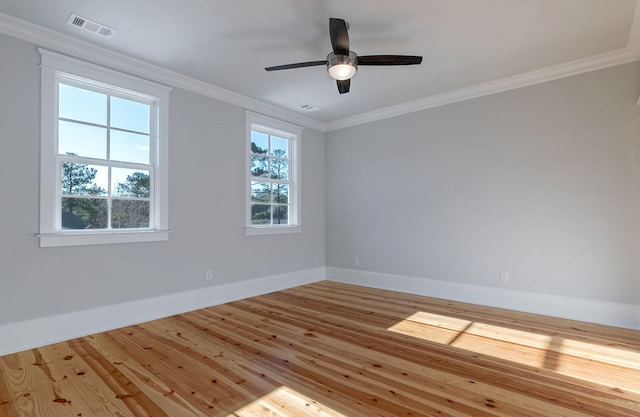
column 103, row 155
column 273, row 176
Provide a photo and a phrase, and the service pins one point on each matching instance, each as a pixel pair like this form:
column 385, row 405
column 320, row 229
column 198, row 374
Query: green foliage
column 137, row 185
column 92, row 213
column 256, row 149
column 82, row 213
column 280, row 193
column 279, row 166
column 259, row 166
column 275, row 167
column 78, row 179
column 280, row 215
column 260, row 214
column 131, row 214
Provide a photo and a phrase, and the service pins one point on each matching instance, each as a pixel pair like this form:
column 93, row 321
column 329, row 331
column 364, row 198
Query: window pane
column 83, row 105
column 83, row 179
column 280, row 169
column 281, row 193
column 259, row 142
column 129, row 214
column 281, row 215
column 259, row 166
column 279, row 147
column 260, row 192
column 129, row 147
column 84, row 213
column 130, row 183
column 130, row 115
column 260, row 214
column 82, row 140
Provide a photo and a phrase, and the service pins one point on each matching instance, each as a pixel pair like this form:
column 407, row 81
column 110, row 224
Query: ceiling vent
column 90, row 26
column 309, row 107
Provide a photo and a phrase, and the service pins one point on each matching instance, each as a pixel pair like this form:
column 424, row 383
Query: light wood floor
column 330, row 349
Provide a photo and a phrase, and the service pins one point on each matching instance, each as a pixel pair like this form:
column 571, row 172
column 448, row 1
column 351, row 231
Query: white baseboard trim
column 28, row 334
column 593, row 311
column 33, row 333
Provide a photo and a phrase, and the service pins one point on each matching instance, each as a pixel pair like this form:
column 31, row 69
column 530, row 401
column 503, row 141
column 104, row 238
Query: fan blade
column 389, row 60
column 339, row 36
column 343, row 85
column 296, row 65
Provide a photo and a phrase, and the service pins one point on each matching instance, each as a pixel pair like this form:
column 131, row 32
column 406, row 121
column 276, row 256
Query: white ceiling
column 470, row 47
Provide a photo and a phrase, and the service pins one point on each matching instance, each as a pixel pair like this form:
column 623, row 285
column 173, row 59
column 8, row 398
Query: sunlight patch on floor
column 285, row 402
column 524, row 347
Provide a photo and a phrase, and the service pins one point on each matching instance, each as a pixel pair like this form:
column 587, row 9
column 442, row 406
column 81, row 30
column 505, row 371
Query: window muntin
column 104, row 155
column 106, row 174
column 273, row 176
column 270, row 184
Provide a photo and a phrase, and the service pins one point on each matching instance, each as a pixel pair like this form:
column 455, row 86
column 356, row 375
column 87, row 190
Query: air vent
column 90, row 26
column 309, row 107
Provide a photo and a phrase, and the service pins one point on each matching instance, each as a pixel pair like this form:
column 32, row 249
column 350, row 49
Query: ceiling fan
column 342, row 63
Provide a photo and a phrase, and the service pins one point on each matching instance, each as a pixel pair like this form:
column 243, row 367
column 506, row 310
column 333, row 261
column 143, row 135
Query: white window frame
column 56, row 68
column 255, row 121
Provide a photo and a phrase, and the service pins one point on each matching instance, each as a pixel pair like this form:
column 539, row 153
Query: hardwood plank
column 333, row 350
column 485, row 368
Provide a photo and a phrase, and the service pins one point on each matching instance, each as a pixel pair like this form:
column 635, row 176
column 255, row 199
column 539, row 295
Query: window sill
column 95, row 238
column 271, row 230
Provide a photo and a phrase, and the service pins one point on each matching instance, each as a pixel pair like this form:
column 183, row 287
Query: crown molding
column 625, row 55
column 67, row 45
column 580, row 66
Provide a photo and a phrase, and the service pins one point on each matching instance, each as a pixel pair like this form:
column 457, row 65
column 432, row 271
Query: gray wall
column 206, row 210
column 541, row 182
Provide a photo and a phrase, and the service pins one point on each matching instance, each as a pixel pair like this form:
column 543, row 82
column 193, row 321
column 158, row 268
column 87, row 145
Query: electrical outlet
column 208, row 275
column 356, row 262
column 504, row 277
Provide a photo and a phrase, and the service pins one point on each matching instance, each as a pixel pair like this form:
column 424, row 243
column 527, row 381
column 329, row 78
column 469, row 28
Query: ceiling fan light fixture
column 342, row 64
column 342, row 67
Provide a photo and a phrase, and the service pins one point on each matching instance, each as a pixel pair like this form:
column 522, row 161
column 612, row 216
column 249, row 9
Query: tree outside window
column 104, row 155
column 85, row 203
column 271, row 179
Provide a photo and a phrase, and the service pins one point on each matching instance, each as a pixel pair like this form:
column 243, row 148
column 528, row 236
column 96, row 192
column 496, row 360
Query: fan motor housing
column 342, row 67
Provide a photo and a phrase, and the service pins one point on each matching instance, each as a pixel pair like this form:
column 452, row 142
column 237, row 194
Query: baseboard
column 43, row 331
column 593, row 311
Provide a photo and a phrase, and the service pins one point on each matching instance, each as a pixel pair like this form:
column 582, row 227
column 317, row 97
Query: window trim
column 294, row 132
column 55, row 66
